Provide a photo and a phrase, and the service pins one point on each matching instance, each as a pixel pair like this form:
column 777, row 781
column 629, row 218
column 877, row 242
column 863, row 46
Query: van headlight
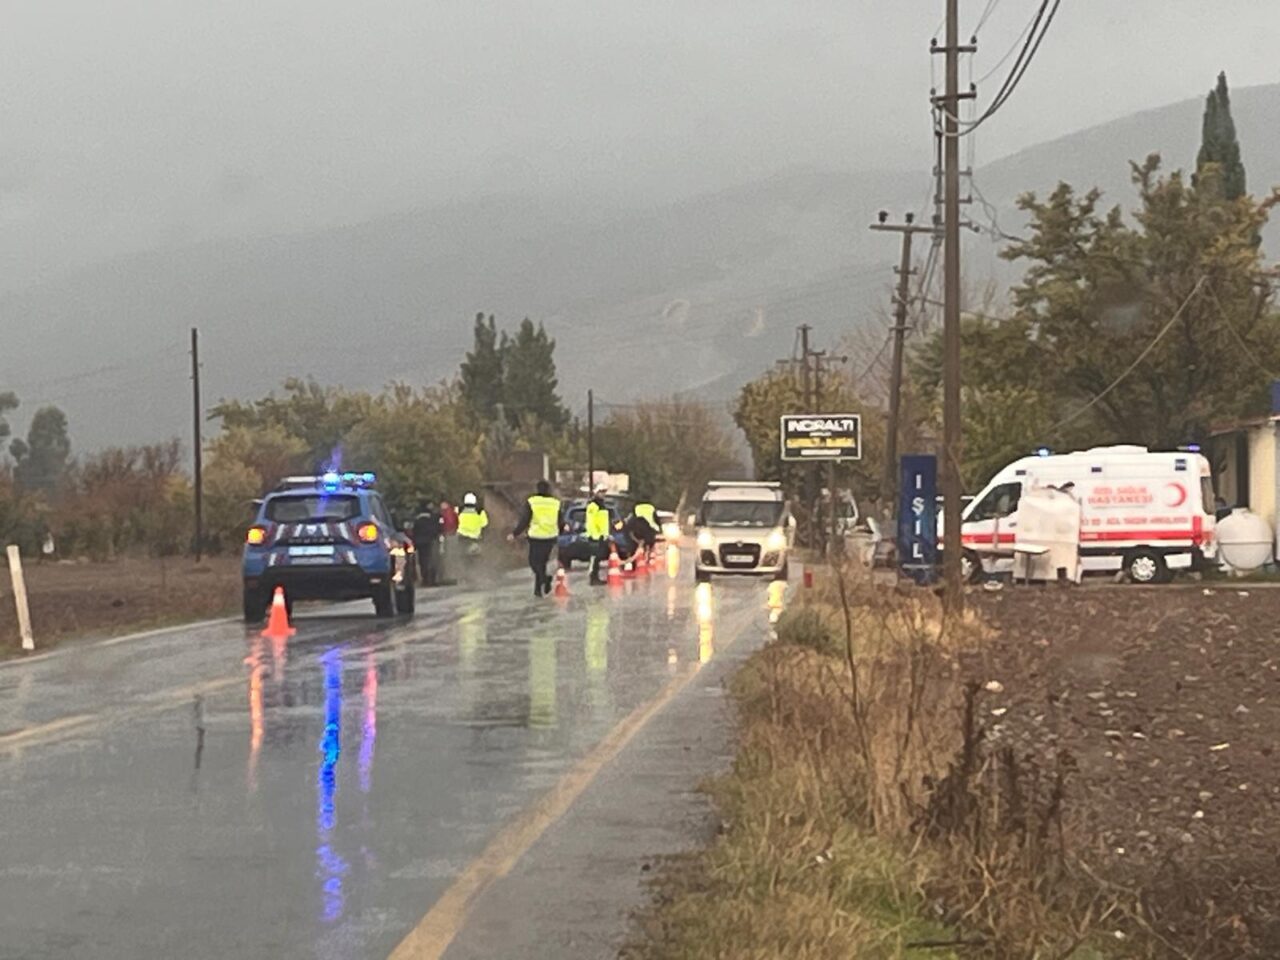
column 775, row 542
column 705, row 540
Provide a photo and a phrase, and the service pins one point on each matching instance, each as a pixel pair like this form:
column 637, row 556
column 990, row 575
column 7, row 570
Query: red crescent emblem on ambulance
column 1175, row 495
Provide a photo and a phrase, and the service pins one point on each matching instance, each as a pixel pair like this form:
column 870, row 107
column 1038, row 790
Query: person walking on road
column 540, row 522
column 597, row 531
column 426, row 539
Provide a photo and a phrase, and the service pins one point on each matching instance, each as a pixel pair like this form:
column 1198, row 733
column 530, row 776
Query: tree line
column 1153, row 325
column 425, row 442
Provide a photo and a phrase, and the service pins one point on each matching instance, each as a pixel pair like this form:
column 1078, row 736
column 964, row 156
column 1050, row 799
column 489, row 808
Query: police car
column 573, row 544
column 328, row 537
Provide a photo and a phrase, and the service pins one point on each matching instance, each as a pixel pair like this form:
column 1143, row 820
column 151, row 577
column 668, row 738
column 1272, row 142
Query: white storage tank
column 1244, row 540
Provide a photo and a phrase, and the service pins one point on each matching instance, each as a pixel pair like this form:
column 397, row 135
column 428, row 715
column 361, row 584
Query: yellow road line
column 442, row 923
column 21, row 737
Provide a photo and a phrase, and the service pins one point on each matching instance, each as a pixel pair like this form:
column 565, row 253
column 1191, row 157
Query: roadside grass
column 77, row 601
column 871, row 811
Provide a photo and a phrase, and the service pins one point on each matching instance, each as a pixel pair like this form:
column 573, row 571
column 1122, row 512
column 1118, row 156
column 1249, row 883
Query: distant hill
column 696, row 296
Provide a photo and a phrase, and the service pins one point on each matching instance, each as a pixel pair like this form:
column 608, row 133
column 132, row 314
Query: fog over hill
column 692, row 295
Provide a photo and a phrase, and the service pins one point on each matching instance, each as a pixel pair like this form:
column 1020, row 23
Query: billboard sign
column 822, row 436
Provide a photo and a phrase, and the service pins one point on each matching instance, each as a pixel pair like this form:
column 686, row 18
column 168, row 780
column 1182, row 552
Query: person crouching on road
column 647, row 529
column 426, row 539
column 597, row 532
column 471, row 523
column 540, row 522
column 642, row 534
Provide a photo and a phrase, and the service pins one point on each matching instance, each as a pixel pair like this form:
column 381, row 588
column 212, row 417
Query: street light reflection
column 673, row 562
column 777, row 594
column 704, row 611
column 542, row 677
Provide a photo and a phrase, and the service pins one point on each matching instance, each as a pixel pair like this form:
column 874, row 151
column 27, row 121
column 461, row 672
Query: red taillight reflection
column 367, row 532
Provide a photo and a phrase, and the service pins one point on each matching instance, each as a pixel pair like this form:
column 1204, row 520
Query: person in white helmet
column 472, row 521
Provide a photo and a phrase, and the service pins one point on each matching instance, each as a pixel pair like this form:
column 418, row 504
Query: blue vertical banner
column 918, row 517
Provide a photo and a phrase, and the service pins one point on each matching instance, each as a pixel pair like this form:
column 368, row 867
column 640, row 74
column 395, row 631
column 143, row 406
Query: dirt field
column 1168, row 701
column 77, row 600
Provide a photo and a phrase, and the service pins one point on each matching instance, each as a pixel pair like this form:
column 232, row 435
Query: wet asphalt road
column 204, row 792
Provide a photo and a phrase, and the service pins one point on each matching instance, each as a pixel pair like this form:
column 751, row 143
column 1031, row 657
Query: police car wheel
column 255, row 606
column 406, row 598
column 384, row 600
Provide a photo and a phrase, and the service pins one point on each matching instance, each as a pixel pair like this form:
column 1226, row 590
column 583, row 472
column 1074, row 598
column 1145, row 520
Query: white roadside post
column 20, row 597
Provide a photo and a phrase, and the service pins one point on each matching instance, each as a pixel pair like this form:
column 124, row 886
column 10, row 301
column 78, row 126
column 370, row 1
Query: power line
column 1133, row 366
column 982, row 20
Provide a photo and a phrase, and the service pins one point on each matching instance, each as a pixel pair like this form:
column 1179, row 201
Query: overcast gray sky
column 133, row 124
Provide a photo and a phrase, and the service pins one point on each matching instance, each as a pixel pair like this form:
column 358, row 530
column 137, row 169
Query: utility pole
column 198, row 444
column 591, row 442
column 953, row 596
column 902, row 304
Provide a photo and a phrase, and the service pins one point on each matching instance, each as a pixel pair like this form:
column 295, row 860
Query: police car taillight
column 256, row 536
column 367, row 532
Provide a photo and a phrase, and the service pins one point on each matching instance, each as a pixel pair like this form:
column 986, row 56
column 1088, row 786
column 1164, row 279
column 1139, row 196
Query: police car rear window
column 312, row 508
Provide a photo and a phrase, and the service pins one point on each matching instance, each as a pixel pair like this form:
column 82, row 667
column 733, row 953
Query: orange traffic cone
column 615, row 567
column 561, row 590
column 278, row 623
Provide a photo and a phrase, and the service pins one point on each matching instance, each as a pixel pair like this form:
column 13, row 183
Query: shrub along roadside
column 871, row 813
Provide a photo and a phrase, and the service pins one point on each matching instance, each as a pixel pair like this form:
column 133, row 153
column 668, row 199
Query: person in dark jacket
column 427, row 530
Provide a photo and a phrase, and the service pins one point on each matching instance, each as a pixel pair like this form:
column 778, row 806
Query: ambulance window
column 998, row 503
column 1208, row 499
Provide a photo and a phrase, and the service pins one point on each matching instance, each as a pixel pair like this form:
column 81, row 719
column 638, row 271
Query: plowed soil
column 1168, row 699
column 78, row 600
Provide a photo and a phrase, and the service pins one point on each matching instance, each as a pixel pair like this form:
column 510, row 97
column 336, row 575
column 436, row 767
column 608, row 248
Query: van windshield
column 742, row 513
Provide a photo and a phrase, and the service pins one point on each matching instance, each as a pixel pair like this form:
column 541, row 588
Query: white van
column 1146, row 512
column 743, row 528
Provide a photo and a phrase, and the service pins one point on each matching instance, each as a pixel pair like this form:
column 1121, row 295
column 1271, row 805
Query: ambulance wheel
column 1146, row 566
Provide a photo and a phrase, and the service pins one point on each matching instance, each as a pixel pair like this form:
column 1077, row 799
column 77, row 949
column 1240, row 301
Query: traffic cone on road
column 561, row 591
column 615, row 567
column 278, row 623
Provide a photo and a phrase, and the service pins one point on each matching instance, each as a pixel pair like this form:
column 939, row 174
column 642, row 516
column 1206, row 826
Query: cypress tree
column 1219, row 144
column 482, row 371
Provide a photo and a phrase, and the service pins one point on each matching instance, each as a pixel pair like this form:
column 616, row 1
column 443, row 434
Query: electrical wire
column 1026, row 54
column 1133, row 366
column 982, row 20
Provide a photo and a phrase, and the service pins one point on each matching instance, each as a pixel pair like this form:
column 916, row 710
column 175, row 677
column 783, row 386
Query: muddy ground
column 1168, row 700
column 71, row 599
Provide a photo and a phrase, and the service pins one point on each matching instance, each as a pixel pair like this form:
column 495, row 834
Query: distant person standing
column 448, row 533
column 427, row 532
column 597, row 531
column 540, row 521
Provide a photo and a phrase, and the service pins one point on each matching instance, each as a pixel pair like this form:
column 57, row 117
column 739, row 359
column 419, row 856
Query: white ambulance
column 1146, row 512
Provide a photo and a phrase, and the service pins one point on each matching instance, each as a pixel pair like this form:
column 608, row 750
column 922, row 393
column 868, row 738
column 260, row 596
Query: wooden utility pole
column 951, row 449
column 197, row 416
column 902, row 304
column 591, row 442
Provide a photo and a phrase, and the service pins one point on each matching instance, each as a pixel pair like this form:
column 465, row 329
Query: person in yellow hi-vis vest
column 541, row 522
column 596, row 529
column 471, row 523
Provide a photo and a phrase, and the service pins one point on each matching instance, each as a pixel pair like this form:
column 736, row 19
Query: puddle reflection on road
column 704, row 612
column 330, row 867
